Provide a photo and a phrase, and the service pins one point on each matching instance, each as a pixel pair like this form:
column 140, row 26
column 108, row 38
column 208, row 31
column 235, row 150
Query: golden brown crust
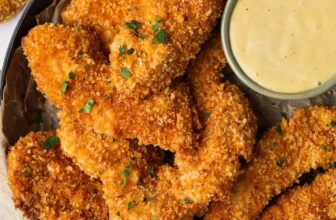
column 315, row 201
column 164, row 120
column 283, row 154
column 153, row 66
column 47, row 185
column 9, row 8
column 202, row 175
column 96, row 153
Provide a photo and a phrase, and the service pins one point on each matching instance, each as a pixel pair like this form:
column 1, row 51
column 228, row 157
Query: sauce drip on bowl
column 286, row 46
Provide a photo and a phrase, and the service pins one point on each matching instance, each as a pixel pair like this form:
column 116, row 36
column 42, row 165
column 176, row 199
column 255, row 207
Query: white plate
column 6, row 32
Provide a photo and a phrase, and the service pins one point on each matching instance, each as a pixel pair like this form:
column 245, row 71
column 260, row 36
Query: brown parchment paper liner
column 23, row 109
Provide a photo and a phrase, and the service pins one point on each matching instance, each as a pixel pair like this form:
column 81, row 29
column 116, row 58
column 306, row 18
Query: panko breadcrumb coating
column 47, row 185
column 306, row 141
column 95, row 153
column 164, row 35
column 202, row 175
column 70, row 60
column 310, row 202
column 9, row 8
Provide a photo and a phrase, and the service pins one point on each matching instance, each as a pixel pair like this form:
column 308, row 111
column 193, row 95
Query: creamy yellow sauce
column 285, row 45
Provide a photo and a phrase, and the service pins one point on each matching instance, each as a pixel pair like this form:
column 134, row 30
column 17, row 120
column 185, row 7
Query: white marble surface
column 6, row 32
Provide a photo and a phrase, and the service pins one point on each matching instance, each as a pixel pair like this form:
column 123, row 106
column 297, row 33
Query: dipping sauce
column 286, row 46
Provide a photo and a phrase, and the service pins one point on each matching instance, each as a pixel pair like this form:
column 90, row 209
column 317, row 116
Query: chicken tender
column 47, row 185
column 306, row 141
column 9, row 8
column 70, row 69
column 315, row 201
column 153, row 39
column 95, row 153
column 208, row 172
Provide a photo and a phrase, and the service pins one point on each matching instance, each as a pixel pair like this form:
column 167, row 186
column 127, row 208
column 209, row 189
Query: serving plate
column 26, row 22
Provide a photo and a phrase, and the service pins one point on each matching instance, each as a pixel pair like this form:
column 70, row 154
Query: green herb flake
column 279, row 130
column 125, row 73
column 131, row 204
column 133, row 25
column 284, row 115
column 207, row 115
column 130, row 166
column 155, row 218
column 118, row 213
column 324, row 147
column 332, row 124
column 122, row 50
column 151, row 172
column 155, row 28
column 125, row 174
column 281, row 162
column 94, row 191
column 26, row 173
column 161, row 37
column 159, row 20
column 147, row 199
column 64, row 87
column 50, row 142
column 72, row 75
column 275, row 144
column 130, row 51
column 87, row 107
column 186, row 201
column 141, row 37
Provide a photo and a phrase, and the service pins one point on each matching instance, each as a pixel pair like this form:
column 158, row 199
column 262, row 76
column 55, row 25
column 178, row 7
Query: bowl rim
column 226, row 43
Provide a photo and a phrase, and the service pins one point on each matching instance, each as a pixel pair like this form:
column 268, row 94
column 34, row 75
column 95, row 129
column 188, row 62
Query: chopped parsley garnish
column 332, row 124
column 50, row 142
column 125, row 173
column 64, row 87
column 159, row 20
column 155, row 218
column 284, row 115
column 125, row 73
column 131, row 204
column 130, row 166
column 279, row 129
column 161, row 37
column 155, row 28
column 207, row 115
column 151, row 172
column 275, row 144
column 118, row 213
column 72, row 75
column 130, row 51
column 147, row 199
column 281, row 162
column 94, row 191
column 87, row 107
column 122, row 50
column 26, row 173
column 324, row 147
column 186, row 201
column 134, row 25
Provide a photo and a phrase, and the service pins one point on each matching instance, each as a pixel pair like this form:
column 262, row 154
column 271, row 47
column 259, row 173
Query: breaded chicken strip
column 202, row 175
column 283, row 154
column 47, row 185
column 8, row 8
column 158, row 37
column 310, row 202
column 95, row 153
column 70, row 69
